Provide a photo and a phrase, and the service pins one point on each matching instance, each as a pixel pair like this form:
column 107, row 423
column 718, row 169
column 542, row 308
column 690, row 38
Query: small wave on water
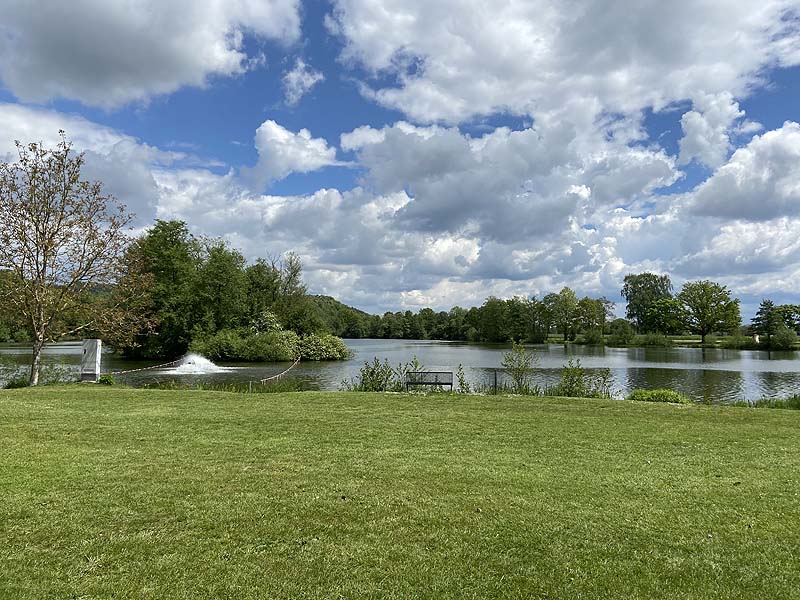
column 195, row 364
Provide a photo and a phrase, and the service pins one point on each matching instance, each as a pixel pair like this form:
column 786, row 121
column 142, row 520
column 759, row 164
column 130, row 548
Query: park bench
column 431, row 378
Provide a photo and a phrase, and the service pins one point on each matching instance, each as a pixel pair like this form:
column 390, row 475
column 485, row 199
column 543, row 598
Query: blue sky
column 431, row 154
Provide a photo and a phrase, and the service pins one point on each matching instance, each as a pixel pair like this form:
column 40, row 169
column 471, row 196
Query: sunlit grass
column 125, row 493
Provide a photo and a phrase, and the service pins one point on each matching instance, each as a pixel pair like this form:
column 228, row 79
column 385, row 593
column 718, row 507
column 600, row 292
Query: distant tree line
column 652, row 310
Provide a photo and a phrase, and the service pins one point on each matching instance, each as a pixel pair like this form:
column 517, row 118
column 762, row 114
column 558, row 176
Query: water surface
column 714, row 375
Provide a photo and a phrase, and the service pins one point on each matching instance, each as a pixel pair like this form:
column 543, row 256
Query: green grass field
column 122, row 493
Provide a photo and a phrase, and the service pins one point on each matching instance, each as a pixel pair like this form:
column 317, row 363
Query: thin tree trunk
column 38, row 344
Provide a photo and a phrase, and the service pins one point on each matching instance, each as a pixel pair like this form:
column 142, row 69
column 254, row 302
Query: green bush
column 106, row 379
column 16, row 382
column 377, row 376
column 653, row 339
column 783, row 339
column 593, row 337
column 323, row 347
column 622, row 333
column 659, row 396
column 518, row 364
column 577, row 383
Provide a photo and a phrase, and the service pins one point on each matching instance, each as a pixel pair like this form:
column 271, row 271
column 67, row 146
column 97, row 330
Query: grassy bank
column 161, row 494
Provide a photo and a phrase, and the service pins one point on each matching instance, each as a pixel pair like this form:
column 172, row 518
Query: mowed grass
column 122, row 493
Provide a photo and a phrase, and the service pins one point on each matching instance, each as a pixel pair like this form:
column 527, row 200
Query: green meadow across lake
column 130, row 493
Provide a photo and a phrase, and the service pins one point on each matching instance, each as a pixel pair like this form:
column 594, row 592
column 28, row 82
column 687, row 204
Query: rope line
column 279, row 375
column 174, row 362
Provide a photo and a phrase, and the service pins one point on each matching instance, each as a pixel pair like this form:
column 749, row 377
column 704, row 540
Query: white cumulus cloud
column 282, row 152
column 107, row 54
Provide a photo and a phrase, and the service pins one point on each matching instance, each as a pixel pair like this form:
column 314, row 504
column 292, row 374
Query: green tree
column 665, row 316
column 709, row 307
column 564, row 308
column 221, row 288
column 493, row 320
column 171, row 256
column 63, row 239
column 642, row 290
column 767, row 320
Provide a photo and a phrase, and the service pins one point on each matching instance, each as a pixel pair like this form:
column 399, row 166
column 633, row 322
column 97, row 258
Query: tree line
column 652, row 309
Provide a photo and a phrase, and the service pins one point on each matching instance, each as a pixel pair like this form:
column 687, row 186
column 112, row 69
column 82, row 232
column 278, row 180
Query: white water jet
column 195, row 364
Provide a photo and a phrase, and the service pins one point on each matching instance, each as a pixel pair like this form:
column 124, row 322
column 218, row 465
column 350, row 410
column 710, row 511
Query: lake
column 714, row 375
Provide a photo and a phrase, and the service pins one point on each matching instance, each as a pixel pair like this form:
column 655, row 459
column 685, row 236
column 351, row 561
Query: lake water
column 704, row 374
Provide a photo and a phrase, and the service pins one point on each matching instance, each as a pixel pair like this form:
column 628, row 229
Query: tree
column 709, row 307
column 664, row 316
column 63, row 240
column 767, row 320
column 564, row 308
column 642, row 290
column 221, row 287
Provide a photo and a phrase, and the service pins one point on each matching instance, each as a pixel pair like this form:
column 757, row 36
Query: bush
column 654, row 339
column 577, row 383
column 783, row 339
column 379, row 376
column 106, row 379
column 323, row 347
column 276, row 345
column 17, row 382
column 593, row 337
column 622, row 333
column 659, row 396
column 518, row 363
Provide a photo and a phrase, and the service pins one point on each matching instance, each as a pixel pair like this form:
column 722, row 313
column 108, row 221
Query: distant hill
column 340, row 319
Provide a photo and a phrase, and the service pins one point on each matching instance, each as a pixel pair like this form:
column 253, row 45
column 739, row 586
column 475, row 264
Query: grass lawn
column 121, row 493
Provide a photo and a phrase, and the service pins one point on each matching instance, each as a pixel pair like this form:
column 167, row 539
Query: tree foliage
column 709, row 308
column 64, row 241
column 640, row 291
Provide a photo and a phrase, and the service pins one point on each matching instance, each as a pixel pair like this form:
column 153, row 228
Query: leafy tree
column 170, row 255
column 709, row 307
column 665, row 316
column 221, row 288
column 564, row 308
column 621, row 332
column 783, row 338
column 493, row 320
column 63, row 239
column 767, row 320
column 640, row 291
column 593, row 313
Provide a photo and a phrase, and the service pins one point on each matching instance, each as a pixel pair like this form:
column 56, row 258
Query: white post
column 90, row 362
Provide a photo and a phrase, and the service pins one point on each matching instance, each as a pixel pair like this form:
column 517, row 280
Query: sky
column 418, row 153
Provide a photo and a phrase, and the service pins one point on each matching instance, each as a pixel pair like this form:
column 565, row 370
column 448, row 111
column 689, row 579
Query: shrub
column 593, row 337
column 323, row 347
column 16, row 382
column 463, row 385
column 269, row 346
column 622, row 333
column 518, row 363
column 577, row 383
column 659, row 396
column 653, row 339
column 783, row 339
column 379, row 376
column 106, row 379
